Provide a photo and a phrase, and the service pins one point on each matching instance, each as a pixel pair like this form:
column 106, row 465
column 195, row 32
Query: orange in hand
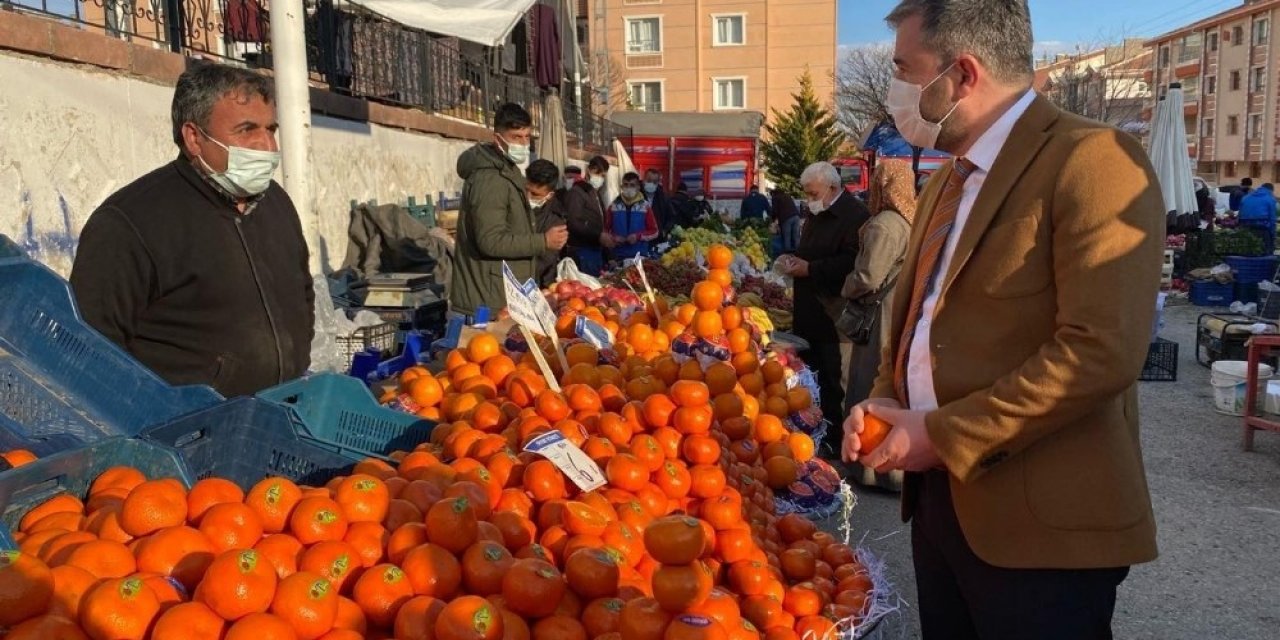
column 873, row 433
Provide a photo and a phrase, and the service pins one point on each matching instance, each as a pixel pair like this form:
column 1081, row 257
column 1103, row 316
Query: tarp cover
column 885, row 140
column 487, row 22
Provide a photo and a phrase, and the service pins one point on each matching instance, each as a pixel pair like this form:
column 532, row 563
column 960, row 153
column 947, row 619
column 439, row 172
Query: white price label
column 519, row 305
column 569, row 459
column 593, row 332
column 644, row 279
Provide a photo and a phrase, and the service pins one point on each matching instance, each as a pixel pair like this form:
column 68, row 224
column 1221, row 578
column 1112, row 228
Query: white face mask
column 629, row 192
column 519, row 153
column 904, row 106
column 816, row 206
column 699, row 198
column 535, row 203
column 597, row 181
column 249, row 171
column 650, row 187
column 569, row 182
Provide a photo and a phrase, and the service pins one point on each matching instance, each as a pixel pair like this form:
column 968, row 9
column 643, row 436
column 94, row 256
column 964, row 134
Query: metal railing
column 354, row 51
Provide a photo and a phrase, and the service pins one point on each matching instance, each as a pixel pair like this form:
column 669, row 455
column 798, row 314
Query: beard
column 934, row 107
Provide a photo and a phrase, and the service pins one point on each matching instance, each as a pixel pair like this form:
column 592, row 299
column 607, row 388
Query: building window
column 1189, row 49
column 729, row 30
column 1229, row 170
column 1211, row 85
column 1237, row 35
column 1207, row 128
column 1261, row 31
column 646, row 95
column 1213, row 41
column 1258, row 81
column 644, row 35
column 1255, row 126
column 731, row 93
column 1164, row 56
column 1233, row 125
column 1235, row 80
column 1255, row 169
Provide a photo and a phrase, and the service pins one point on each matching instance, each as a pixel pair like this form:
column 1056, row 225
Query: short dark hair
column 1269, row 187
column 997, row 32
column 630, row 175
column 652, row 170
column 598, row 164
column 755, row 187
column 542, row 172
column 204, row 84
column 682, row 187
column 573, row 169
column 511, row 116
column 1247, row 182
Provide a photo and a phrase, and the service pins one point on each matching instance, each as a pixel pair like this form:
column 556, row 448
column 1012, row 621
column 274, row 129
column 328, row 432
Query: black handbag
column 858, row 319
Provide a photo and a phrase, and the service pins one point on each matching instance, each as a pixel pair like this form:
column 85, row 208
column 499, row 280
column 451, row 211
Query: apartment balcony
column 1191, row 109
column 1206, row 148
column 1148, row 76
column 1187, row 69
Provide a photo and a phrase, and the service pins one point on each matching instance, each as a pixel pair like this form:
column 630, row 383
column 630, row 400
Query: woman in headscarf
column 869, row 287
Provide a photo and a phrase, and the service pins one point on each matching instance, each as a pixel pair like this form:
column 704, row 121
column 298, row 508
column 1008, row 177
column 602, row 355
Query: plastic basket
column 72, row 472
column 1162, row 362
column 338, row 410
column 379, row 336
column 12, row 437
column 1212, row 294
column 59, row 376
column 1252, row 270
column 247, row 439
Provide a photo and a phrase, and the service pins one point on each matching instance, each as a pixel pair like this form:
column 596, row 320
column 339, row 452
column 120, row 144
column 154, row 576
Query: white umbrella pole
column 293, row 103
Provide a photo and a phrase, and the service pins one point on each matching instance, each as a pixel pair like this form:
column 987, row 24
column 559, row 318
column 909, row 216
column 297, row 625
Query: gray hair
column 822, row 173
column 201, row 86
column 997, row 32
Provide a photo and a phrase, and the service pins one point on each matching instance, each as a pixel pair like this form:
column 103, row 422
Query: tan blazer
column 1039, row 337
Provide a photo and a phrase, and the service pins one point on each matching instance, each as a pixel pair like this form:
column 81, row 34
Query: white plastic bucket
column 1229, row 379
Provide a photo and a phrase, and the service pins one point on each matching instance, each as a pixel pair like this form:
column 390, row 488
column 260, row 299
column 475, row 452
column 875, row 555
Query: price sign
column 593, row 332
column 569, row 459
column 644, row 279
column 519, row 306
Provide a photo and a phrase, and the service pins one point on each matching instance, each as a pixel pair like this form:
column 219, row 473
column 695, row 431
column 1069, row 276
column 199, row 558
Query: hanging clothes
column 546, row 65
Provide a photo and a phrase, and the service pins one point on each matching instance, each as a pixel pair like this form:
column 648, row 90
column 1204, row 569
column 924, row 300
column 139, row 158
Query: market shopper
column 630, row 220
column 1258, row 214
column 199, row 269
column 787, row 215
column 580, row 205
column 1017, row 341
column 658, row 200
column 598, row 178
column 755, row 206
column 868, row 290
column 540, row 181
column 1237, row 193
column 825, row 255
column 496, row 223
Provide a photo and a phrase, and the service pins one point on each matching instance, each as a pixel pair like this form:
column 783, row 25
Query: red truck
column 883, row 143
column 717, row 153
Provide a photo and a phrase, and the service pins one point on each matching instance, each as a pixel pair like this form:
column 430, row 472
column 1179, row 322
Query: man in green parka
column 496, row 222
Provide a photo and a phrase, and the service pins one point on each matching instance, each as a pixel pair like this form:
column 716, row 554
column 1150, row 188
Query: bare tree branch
column 610, row 73
column 1103, row 82
column 862, row 87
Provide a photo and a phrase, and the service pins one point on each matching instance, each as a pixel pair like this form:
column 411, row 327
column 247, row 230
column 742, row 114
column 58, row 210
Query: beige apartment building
column 713, row 55
column 1228, row 65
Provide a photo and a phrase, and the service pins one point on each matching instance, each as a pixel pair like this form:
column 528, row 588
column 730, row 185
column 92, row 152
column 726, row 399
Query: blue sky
column 1059, row 25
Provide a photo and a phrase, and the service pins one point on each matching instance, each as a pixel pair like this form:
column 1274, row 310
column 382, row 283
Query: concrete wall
column 71, row 135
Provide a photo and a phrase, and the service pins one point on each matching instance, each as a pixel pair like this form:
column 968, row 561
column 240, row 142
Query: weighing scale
column 400, row 290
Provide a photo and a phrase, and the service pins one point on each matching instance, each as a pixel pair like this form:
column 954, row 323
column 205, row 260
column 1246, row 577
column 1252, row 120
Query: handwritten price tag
column 569, row 459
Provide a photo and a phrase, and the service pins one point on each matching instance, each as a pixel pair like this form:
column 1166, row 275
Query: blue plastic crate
column 59, row 376
column 72, row 472
column 339, row 411
column 12, row 436
column 1246, row 293
column 1252, row 270
column 1212, row 294
column 247, row 439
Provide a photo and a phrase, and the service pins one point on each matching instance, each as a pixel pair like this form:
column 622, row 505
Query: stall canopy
column 745, row 124
column 487, row 22
column 1169, row 156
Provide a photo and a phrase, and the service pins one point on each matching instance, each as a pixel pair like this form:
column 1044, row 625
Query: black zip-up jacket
column 580, row 208
column 197, row 291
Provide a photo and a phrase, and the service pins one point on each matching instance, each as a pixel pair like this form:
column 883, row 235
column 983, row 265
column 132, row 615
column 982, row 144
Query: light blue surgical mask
column 249, row 171
column 518, row 153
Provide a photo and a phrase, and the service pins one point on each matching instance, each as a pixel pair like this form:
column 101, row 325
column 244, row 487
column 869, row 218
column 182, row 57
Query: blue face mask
column 518, row 153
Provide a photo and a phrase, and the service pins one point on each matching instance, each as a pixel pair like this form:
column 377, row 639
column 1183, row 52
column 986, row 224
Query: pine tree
column 805, row 134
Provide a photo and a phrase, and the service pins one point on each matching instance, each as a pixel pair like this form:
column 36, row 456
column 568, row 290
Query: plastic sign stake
column 644, row 279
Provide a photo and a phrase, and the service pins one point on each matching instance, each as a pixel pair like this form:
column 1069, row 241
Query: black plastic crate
column 1162, row 362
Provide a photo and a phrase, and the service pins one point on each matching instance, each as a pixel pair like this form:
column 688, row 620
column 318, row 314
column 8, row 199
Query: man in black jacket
column 657, row 197
column 825, row 255
column 199, row 268
column 580, row 205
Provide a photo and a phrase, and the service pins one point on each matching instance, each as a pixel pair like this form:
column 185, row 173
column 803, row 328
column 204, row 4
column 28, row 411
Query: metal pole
column 293, row 101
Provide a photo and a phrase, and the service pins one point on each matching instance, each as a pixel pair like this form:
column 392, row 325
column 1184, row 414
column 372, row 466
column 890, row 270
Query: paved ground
column 1218, row 511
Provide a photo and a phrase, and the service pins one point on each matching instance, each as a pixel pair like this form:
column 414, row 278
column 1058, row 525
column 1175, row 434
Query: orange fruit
column 533, row 588
column 125, row 478
column 432, row 571
column 469, row 618
column 152, row 506
column 260, row 626
column 643, row 619
column 453, row 524
column 363, row 498
column 677, row 588
column 46, row 627
column 316, row 520
column 238, row 583
column 369, row 539
column 210, row 492
column 119, row 609
column 308, row 603
column 677, row 540
column 483, row 566
column 332, row 559
column 719, row 256
column 103, row 559
column 189, row 621
column 26, row 587
column 380, row 592
column 707, row 296
column 274, row 500
column 769, row 428
column 481, row 347
column 70, row 584
column 721, row 277
column 63, row 503
column 416, row 619
column 231, row 525
column 426, row 391
column 874, row 431
column 707, row 324
column 351, row 617
column 182, row 553
column 284, row 552
column 592, row 573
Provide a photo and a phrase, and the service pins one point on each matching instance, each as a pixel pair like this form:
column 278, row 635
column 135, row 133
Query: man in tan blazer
column 1018, row 333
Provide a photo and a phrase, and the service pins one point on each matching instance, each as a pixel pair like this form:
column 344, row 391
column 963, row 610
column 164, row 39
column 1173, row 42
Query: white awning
column 487, row 22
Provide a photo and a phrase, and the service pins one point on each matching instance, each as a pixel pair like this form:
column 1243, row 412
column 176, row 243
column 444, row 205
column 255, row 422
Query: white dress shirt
column 920, row 389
